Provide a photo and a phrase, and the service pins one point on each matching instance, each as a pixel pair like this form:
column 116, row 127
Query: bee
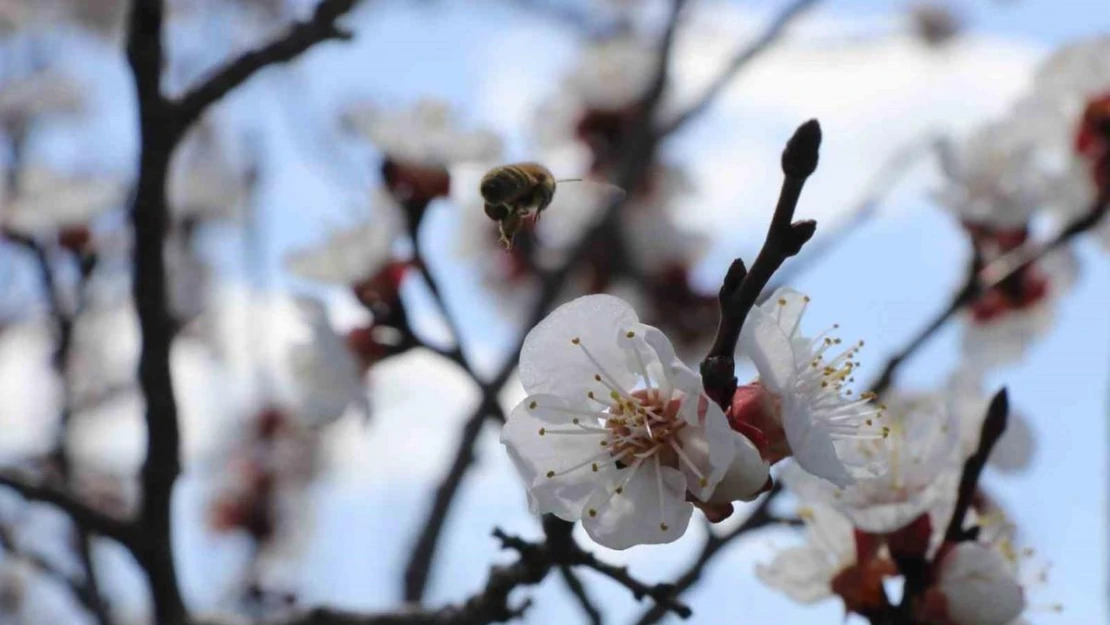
column 516, row 191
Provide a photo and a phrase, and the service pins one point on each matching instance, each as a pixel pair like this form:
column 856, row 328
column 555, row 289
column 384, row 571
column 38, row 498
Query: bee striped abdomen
column 505, row 185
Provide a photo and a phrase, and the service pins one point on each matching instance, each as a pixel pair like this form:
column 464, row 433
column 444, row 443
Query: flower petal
column 709, row 446
column 551, row 363
column 803, row 573
column 812, row 445
column 746, row 476
column 979, row 587
column 769, row 348
column 650, row 509
column 537, row 455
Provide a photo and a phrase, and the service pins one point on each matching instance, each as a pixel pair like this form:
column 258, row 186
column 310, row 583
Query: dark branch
column 420, row 563
column 739, row 61
column 578, row 591
column 979, row 278
column 760, row 517
column 993, row 427
column 300, row 37
column 742, row 287
column 82, row 514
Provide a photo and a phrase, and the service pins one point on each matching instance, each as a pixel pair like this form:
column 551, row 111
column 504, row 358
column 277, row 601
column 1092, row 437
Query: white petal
column 709, row 446
column 535, row 455
column 651, row 509
column 1014, row 450
column 786, row 306
column 678, row 375
column 551, row 363
column 746, row 476
column 803, row 573
column 769, row 348
column 812, row 445
column 979, row 587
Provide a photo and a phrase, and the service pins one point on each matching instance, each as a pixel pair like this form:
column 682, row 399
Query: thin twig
column 633, row 168
column 82, row 513
column 972, row 285
column 739, row 61
column 742, row 287
column 300, row 37
column 889, row 175
column 994, row 425
column 760, row 517
column 578, row 591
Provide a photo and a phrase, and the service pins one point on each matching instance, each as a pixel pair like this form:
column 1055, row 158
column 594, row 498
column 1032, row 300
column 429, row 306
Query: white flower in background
column 616, row 431
column 328, row 374
column 46, row 201
column 803, row 389
column 977, row 586
column 967, row 401
column 999, row 331
column 352, row 255
column 427, row 134
column 993, row 177
column 613, row 73
column 1074, row 74
column 43, row 92
column 188, row 278
column 653, row 237
column 204, row 180
column 805, row 574
column 923, row 464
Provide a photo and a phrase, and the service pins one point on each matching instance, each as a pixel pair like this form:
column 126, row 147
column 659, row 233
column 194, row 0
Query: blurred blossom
column 41, row 93
column 104, row 17
column 616, row 432
column 613, row 73
column 922, row 462
column 801, row 402
column 353, row 255
column 835, row 560
column 1014, row 450
column 1006, row 320
column 188, row 277
column 104, row 351
column 992, row 177
column 204, row 181
column 328, row 374
column 427, row 134
column 974, row 586
column 45, row 201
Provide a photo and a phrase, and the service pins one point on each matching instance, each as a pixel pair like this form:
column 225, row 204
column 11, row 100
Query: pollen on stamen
column 543, row 431
column 532, row 405
column 594, row 467
column 703, row 482
column 663, row 526
column 604, row 443
column 630, row 334
column 597, row 377
column 592, row 512
column 574, row 421
column 550, row 474
column 782, row 301
column 886, row 431
column 805, row 298
column 576, row 340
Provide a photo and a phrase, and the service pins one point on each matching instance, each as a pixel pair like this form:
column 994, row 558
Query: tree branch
column 300, row 37
column 994, row 425
column 82, row 513
column 742, row 287
column 979, row 278
column 760, row 517
column 739, row 61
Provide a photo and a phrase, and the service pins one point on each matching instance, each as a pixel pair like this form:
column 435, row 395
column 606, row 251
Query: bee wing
column 604, row 191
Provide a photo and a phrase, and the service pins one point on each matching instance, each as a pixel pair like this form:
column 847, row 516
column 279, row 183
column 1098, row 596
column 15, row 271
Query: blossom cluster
column 1047, row 159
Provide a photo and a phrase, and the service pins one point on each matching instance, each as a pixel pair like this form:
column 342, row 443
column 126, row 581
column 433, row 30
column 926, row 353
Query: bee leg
column 496, row 212
column 508, row 228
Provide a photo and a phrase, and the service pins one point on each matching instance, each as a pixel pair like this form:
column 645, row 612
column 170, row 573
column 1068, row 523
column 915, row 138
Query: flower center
column 643, row 424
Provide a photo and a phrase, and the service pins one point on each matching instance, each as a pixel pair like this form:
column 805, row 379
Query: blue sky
column 496, row 64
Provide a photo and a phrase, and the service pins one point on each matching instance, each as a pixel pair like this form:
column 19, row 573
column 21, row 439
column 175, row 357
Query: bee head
column 496, row 189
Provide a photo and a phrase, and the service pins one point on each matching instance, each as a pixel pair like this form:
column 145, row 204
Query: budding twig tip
column 799, row 159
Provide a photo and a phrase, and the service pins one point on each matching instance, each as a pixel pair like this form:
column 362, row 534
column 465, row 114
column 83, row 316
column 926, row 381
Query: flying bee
column 514, row 192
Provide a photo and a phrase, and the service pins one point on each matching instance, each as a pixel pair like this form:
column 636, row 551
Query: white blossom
column 46, row 201
column 43, row 92
column 613, row 73
column 616, row 431
column 808, row 388
column 922, row 461
column 805, row 573
column 967, row 401
column 354, row 254
column 328, row 374
column 204, row 180
column 978, row 586
column 993, row 177
column 427, row 134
